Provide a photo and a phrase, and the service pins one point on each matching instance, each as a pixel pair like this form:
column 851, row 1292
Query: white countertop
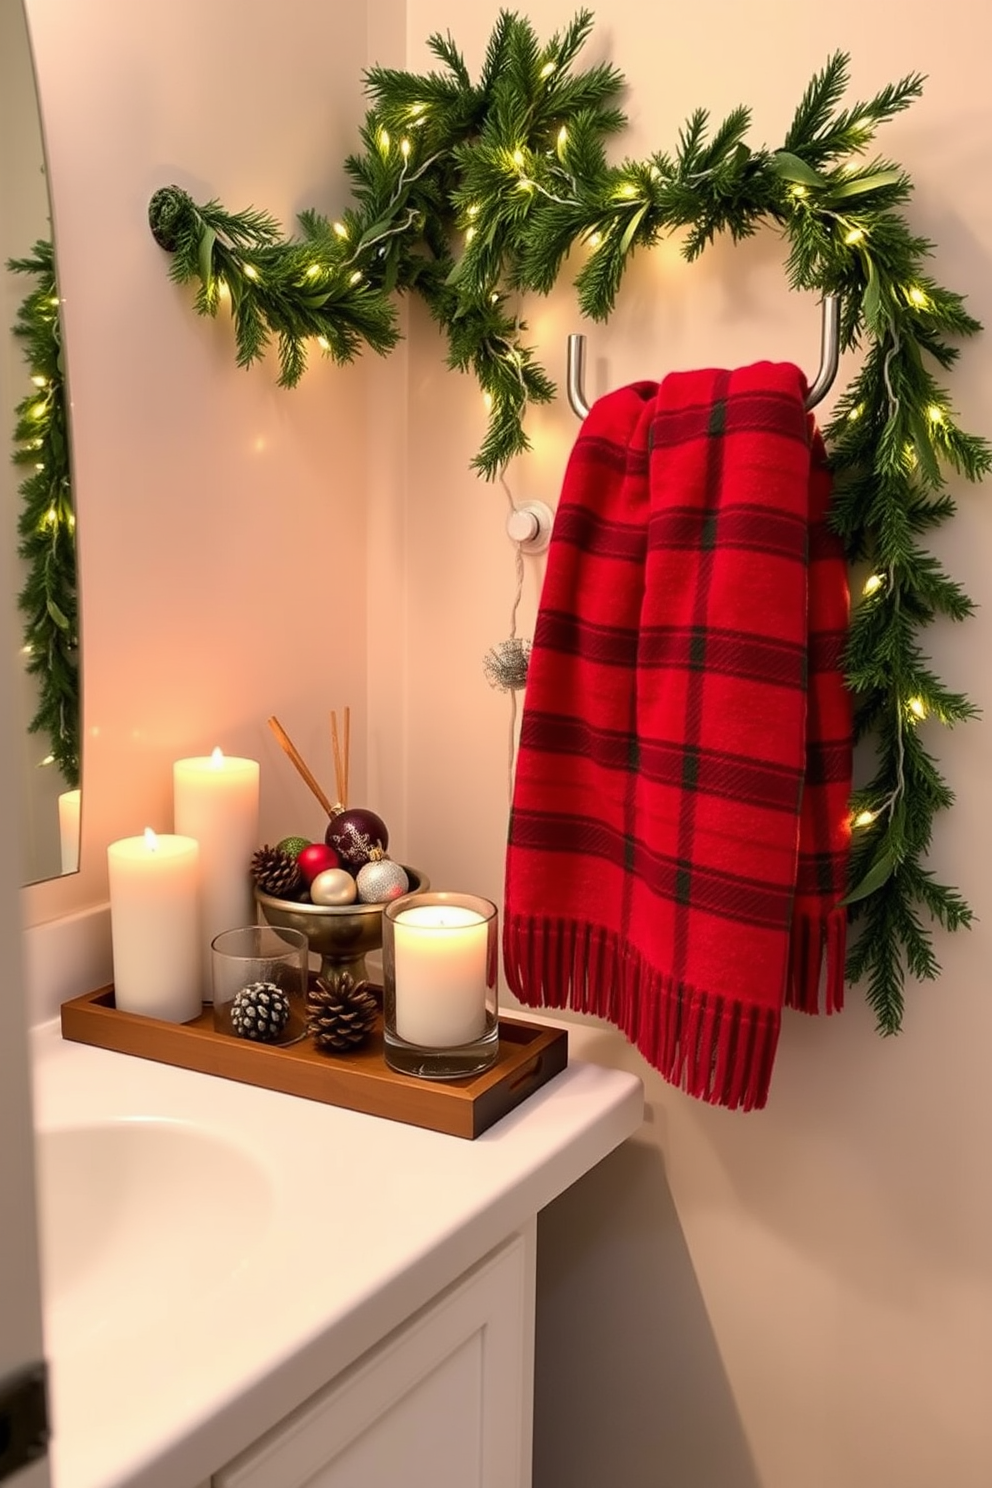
column 350, row 1223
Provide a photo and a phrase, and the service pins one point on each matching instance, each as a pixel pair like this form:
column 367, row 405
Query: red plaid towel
column 680, row 824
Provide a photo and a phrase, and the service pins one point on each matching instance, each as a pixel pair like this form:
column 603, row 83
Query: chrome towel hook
column 822, row 382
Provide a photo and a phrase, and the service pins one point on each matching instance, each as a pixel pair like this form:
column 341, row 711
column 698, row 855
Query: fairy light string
column 495, row 181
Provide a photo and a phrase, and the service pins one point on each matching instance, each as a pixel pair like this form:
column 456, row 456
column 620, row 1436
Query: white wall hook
column 529, row 526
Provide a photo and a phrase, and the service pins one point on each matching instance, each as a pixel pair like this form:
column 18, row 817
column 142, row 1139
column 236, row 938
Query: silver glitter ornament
column 505, row 665
column 380, row 879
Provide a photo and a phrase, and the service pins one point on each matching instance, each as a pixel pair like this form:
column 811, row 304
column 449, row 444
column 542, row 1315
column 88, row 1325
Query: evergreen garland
column 47, row 522
column 468, row 193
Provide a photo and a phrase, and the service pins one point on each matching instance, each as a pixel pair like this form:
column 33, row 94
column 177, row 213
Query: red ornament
column 317, row 858
column 354, row 832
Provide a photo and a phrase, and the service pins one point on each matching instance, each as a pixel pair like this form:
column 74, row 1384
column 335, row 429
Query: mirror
column 35, row 488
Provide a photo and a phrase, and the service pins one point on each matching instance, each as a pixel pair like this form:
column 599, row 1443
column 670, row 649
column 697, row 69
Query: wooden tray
column 530, row 1054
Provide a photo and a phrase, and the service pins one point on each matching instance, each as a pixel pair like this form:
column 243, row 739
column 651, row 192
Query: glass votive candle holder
column 440, row 960
column 254, row 956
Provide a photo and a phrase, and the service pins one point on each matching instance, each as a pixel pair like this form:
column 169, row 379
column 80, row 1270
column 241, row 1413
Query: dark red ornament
column 315, row 859
column 353, row 833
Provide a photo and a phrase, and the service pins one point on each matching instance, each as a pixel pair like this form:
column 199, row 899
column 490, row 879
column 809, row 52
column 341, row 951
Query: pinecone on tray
column 341, row 1015
column 276, row 872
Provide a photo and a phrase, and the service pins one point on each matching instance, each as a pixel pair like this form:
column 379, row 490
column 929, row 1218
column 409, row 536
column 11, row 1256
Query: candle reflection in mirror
column 70, row 810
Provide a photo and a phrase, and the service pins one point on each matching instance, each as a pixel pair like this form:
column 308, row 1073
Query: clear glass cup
column 440, row 961
column 252, row 954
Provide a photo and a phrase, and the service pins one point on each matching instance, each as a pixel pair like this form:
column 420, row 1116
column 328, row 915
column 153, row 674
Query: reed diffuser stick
column 347, row 753
column 341, row 759
column 290, row 749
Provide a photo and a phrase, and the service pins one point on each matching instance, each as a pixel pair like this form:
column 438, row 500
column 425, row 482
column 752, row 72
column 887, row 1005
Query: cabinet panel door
column 444, row 1402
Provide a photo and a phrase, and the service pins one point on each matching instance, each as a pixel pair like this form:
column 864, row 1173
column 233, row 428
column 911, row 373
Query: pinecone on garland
column 276, row 872
column 340, row 1016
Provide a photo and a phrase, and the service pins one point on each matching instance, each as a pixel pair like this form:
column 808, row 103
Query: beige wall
column 801, row 1298
column 796, row 1299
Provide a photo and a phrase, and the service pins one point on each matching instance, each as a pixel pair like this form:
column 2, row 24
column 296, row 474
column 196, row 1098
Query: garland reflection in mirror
column 46, row 528
column 36, row 499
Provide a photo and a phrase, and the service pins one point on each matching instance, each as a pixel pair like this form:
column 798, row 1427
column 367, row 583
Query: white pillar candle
column 215, row 800
column 69, row 829
column 440, row 956
column 154, row 926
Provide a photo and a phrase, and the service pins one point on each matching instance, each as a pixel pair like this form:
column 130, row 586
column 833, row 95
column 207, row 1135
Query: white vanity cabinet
column 443, row 1402
column 357, row 1309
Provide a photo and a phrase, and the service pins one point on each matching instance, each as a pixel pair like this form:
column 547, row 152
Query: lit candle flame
column 151, row 841
column 217, row 759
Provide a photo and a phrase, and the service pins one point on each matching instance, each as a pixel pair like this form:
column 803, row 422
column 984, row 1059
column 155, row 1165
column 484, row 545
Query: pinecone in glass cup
column 340, row 1017
column 260, row 1012
column 276, row 872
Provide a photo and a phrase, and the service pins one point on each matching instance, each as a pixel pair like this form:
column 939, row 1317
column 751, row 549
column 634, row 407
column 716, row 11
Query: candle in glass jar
column 440, row 969
column 215, row 801
column 154, row 925
column 69, row 804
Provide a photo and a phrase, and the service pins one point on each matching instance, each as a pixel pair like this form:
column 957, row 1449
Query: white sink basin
column 156, row 1211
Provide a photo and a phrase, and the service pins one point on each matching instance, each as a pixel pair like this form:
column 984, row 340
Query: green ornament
column 293, row 846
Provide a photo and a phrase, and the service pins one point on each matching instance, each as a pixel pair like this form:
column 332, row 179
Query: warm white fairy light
column 487, row 399
column 855, row 236
column 383, row 141
column 39, row 381
column 340, row 229
column 935, row 414
column 798, row 191
column 518, row 158
column 917, row 707
column 628, row 189
column 548, row 69
column 323, row 343
column 356, row 277
column 469, row 234
column 473, row 209
column 872, row 585
column 494, row 297
column 917, row 297
column 313, row 271
column 250, row 271
column 865, row 818
column 562, row 137
column 855, row 414
column 405, row 148
column 594, row 239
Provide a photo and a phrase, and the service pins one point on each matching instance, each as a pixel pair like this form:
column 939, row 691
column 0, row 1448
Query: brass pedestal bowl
column 341, row 935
